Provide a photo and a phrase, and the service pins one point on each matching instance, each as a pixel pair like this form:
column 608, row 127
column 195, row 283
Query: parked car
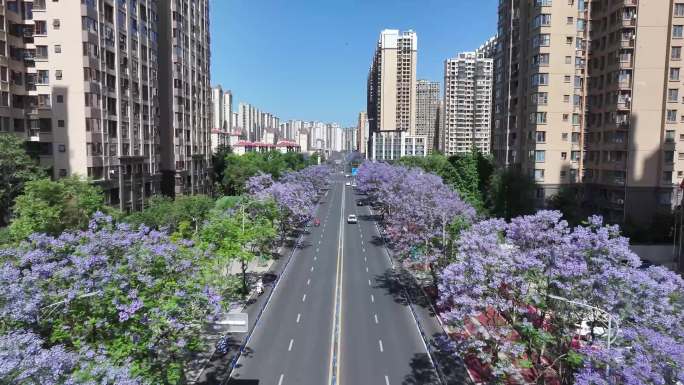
column 352, row 219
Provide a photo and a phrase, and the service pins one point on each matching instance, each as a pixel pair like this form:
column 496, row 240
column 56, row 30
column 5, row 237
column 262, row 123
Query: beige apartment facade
column 539, row 91
column 590, row 92
column 635, row 120
column 392, row 82
column 79, row 83
column 185, row 96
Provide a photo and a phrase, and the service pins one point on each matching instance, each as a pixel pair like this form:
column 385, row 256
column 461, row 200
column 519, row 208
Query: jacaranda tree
column 533, row 298
column 127, row 295
column 418, row 209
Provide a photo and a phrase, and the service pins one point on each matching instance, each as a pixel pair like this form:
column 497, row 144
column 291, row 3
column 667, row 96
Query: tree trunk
column 245, row 288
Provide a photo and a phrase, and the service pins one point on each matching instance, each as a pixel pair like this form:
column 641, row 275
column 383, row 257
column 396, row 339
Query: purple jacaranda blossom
column 24, row 360
column 518, row 278
column 105, row 287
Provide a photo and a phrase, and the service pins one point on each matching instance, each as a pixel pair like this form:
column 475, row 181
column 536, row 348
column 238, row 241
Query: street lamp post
column 612, row 321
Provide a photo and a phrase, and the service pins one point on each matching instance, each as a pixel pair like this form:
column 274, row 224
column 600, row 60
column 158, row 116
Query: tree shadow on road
column 390, row 282
column 422, row 371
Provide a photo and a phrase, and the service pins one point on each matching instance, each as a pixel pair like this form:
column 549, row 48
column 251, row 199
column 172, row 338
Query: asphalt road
column 295, row 339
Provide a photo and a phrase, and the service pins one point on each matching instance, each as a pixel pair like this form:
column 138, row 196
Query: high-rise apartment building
column 427, row 112
column 362, row 132
column 634, row 129
column 221, row 115
column 391, row 95
column 78, row 81
column 468, row 81
column 392, row 82
column 592, row 97
column 185, row 95
column 254, row 123
column 539, row 90
column 222, row 108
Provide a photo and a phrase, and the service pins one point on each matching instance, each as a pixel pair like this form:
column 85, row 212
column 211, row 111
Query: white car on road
column 352, row 219
column 348, row 184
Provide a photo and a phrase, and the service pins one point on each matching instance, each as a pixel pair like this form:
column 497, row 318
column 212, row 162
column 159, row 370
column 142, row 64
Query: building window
column 539, row 174
column 677, row 31
column 58, row 48
column 674, row 74
column 676, row 53
column 671, row 116
column 669, row 156
column 60, row 123
column 541, row 136
column 540, row 79
column 575, row 156
column 669, row 136
column 58, row 74
column 673, row 95
column 564, row 156
column 667, row 176
column 541, row 40
column 566, row 117
column 538, row 118
column 55, row 23
column 60, row 98
column 568, row 40
column 540, row 156
column 61, row 148
column 679, row 9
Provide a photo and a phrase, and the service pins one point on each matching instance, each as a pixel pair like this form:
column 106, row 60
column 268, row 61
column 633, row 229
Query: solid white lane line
column 381, row 348
column 366, row 269
column 364, row 259
column 364, row 249
column 304, row 298
column 289, row 348
column 308, row 282
column 376, row 318
column 312, row 268
column 280, row 381
column 315, row 257
column 372, row 298
column 387, row 380
column 369, row 283
column 299, row 315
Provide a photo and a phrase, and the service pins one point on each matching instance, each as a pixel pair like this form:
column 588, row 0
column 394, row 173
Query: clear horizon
column 300, row 60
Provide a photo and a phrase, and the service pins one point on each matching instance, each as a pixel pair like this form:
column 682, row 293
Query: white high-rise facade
column 468, row 81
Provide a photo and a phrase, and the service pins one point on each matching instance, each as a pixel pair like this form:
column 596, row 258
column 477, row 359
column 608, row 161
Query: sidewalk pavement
column 210, row 367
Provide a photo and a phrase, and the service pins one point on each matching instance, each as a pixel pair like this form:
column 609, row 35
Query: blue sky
column 308, row 59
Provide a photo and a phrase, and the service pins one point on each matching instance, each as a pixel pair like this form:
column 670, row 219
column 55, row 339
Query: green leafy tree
column 163, row 212
column 16, row 169
column 240, row 230
column 219, row 165
column 51, row 207
column 237, row 169
column 466, row 179
column 568, row 201
column 511, row 194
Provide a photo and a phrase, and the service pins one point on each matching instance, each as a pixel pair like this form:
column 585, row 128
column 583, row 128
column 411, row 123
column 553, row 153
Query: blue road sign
column 354, row 171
